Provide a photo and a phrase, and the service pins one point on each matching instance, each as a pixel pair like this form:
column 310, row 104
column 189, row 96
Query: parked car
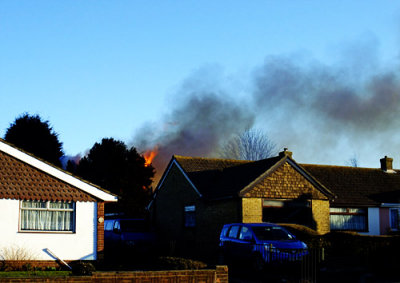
column 260, row 243
column 128, row 235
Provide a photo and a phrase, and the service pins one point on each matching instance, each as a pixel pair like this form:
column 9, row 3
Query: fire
column 149, row 155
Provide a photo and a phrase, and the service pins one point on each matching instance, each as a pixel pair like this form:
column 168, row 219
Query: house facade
column 46, row 213
column 367, row 199
column 196, row 196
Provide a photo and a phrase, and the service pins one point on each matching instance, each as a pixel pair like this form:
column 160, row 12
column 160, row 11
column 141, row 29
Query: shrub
column 16, row 253
column 11, row 258
column 27, row 267
column 312, row 238
column 82, row 268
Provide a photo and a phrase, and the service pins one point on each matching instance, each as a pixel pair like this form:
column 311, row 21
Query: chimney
column 386, row 164
column 285, row 152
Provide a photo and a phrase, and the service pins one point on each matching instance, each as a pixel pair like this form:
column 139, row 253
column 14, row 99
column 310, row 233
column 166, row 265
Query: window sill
column 45, row 232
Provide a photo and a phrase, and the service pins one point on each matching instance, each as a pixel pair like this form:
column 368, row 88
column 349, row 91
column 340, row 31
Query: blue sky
column 99, row 69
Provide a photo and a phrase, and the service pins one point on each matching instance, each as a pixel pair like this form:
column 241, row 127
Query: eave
column 58, row 173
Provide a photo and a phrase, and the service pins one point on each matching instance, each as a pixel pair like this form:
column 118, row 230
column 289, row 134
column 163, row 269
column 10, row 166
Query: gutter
column 396, row 205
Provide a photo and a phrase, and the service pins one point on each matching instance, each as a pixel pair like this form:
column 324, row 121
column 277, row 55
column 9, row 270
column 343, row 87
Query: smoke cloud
column 328, row 110
column 327, row 95
column 199, row 122
column 319, row 111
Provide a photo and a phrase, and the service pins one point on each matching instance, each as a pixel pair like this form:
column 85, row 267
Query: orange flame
column 149, row 155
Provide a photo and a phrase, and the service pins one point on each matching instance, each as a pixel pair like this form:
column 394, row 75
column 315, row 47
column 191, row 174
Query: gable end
column 167, row 172
column 285, row 180
column 17, row 162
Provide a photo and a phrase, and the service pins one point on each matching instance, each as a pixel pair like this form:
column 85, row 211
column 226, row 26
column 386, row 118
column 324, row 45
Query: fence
column 310, row 265
column 302, row 265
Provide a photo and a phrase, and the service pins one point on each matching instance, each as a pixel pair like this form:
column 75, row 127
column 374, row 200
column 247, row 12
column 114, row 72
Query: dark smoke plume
column 326, row 93
column 324, row 110
column 198, row 123
column 319, row 111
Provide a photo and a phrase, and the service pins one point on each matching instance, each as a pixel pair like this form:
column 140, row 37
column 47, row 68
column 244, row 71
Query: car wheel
column 258, row 263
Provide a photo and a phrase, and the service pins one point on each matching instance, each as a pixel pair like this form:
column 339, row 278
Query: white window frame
column 347, row 213
column 49, row 209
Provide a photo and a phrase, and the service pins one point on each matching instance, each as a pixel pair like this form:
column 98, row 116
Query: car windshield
column 133, row 226
column 271, row 233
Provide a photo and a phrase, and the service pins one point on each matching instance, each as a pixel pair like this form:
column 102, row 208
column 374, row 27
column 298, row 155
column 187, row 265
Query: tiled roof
column 196, row 164
column 358, row 186
column 19, row 180
column 218, row 178
column 23, row 176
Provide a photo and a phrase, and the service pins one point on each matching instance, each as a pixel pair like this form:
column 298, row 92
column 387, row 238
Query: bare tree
column 353, row 161
column 252, row 144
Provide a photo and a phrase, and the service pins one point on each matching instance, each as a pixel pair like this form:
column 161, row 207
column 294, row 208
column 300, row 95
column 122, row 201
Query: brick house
column 196, row 196
column 46, row 212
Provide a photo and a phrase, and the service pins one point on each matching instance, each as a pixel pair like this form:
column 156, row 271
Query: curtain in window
column 47, row 216
column 352, row 219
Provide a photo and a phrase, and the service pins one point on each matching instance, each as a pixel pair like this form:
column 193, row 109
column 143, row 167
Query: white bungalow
column 45, row 212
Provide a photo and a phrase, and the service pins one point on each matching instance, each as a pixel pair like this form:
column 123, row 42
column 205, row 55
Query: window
column 47, row 216
column 245, row 234
column 117, row 226
column 233, row 232
column 296, row 211
column 274, row 233
column 190, row 216
column 350, row 219
column 108, row 225
column 395, row 218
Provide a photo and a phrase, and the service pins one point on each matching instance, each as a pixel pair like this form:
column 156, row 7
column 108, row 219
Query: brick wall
column 168, row 210
column 212, row 215
column 320, row 211
column 19, row 264
column 286, row 183
column 218, row 275
column 168, row 217
column 252, row 210
column 100, row 231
